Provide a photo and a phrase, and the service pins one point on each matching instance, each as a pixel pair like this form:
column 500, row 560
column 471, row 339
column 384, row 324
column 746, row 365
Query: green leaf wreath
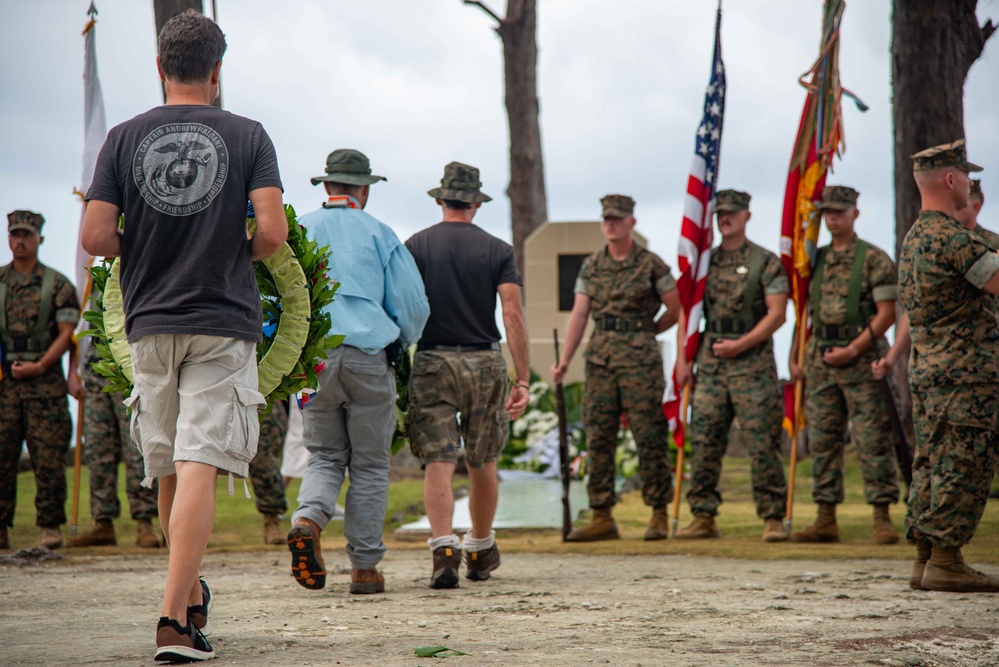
column 294, row 290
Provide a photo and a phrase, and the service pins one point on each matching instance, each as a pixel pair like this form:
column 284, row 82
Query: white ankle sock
column 446, row 541
column 470, row 543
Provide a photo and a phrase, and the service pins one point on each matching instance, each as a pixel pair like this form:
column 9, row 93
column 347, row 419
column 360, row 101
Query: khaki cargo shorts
column 445, row 384
column 195, row 399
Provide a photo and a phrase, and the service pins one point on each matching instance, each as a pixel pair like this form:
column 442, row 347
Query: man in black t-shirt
column 182, row 174
column 458, row 369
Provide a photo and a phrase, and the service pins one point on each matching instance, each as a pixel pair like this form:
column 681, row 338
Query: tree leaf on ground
column 436, row 652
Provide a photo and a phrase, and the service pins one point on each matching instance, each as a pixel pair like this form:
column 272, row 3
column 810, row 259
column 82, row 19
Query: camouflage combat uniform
column 954, row 376
column 265, row 467
column 745, row 387
column 35, row 410
column 106, row 443
column 834, row 394
column 624, row 371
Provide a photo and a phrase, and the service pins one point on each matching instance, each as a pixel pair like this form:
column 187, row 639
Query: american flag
column 696, row 234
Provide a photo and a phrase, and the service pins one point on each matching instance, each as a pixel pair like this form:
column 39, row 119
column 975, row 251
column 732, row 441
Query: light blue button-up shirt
column 381, row 297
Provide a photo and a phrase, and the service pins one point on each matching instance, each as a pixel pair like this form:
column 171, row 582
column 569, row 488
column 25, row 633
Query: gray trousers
column 348, row 427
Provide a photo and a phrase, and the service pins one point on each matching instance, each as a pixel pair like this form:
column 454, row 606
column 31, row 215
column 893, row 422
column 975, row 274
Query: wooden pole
column 77, row 465
column 684, row 404
column 799, row 391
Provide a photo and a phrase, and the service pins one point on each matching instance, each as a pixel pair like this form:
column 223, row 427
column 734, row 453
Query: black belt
column 725, row 325
column 837, row 332
column 473, row 347
column 613, row 323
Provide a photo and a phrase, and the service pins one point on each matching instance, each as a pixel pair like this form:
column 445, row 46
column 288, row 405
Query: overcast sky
column 417, row 84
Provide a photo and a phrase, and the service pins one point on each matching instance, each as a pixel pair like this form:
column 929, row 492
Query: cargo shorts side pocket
column 243, row 429
column 423, row 381
column 132, row 407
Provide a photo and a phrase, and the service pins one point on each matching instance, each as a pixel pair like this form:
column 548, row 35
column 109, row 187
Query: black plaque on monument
column 568, row 271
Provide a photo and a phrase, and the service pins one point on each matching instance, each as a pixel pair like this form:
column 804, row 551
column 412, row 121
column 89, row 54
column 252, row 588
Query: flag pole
column 684, row 404
column 799, row 391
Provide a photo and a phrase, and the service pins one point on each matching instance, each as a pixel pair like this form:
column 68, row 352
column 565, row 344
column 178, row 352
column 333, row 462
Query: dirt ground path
column 538, row 609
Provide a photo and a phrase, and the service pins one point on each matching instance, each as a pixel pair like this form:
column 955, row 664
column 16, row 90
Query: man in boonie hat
column 380, row 308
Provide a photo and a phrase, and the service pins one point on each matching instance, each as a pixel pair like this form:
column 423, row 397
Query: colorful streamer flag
column 94, row 133
column 696, row 233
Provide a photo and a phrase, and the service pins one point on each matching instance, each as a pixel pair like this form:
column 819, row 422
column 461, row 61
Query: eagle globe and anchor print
column 180, row 168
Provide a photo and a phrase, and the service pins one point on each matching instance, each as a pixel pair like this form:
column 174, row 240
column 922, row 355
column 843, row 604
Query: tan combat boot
column 773, row 531
column 946, row 571
column 101, row 535
column 51, row 537
column 923, row 552
column 145, row 536
column 658, row 525
column 272, row 530
column 823, row 530
column 884, row 532
column 601, row 527
column 703, row 527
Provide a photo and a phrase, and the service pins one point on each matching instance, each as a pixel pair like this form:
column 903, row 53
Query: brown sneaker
column 884, row 532
column 51, row 537
column 447, row 560
column 923, row 552
column 600, row 527
column 823, row 530
column 198, row 613
column 272, row 530
column 145, row 535
column 306, row 555
column 177, row 643
column 366, row 581
column 658, row 525
column 773, row 531
column 703, row 527
column 4, row 538
column 100, row 535
column 947, row 571
column 478, row 564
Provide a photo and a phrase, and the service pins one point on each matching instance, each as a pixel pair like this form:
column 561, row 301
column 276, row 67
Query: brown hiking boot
column 145, row 535
column 447, row 560
column 272, row 530
column 51, row 537
column 823, row 530
column 366, row 581
column 658, row 525
column 4, row 538
column 100, row 535
column 923, row 552
column 307, row 555
column 600, row 527
column 773, row 531
column 884, row 532
column 946, row 571
column 703, row 527
column 478, row 564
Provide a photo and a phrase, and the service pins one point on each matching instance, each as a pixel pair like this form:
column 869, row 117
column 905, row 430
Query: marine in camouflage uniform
column 741, row 383
column 34, row 408
column 948, row 281
column 852, row 304
column 106, row 444
column 624, row 372
column 265, row 474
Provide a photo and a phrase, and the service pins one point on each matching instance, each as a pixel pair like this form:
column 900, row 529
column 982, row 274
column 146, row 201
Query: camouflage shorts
column 445, row 384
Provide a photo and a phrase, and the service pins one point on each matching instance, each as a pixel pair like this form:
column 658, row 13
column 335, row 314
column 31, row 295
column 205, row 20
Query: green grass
column 238, row 526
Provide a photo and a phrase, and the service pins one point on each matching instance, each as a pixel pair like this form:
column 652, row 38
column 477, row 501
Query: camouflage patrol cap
column 838, row 198
column 976, row 188
column 460, row 183
column 618, row 206
column 348, row 166
column 25, row 220
column 944, row 155
column 731, row 200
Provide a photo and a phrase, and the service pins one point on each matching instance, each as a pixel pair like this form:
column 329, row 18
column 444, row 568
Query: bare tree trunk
column 164, row 10
column 528, row 201
column 934, row 44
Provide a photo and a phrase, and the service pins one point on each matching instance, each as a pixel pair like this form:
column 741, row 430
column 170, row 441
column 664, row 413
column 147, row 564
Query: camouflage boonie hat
column 731, row 200
column 976, row 188
column 347, row 166
column 618, row 206
column 460, row 183
column 25, row 220
column 837, row 198
column 944, row 155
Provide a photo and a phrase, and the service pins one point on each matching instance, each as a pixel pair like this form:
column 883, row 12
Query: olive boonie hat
column 731, row 200
column 976, row 187
column 460, row 183
column 25, row 220
column 347, row 166
column 618, row 206
column 837, row 198
column 944, row 155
